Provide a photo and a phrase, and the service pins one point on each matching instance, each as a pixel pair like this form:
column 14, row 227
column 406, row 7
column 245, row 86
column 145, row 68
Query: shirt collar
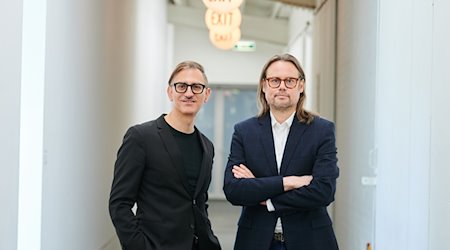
column 288, row 120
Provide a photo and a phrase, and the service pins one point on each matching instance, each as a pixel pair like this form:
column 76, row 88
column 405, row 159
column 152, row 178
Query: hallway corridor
column 76, row 74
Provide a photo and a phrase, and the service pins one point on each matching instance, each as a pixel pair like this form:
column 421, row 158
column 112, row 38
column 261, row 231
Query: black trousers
column 195, row 243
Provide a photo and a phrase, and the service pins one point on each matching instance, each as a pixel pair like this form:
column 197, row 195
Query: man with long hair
column 282, row 167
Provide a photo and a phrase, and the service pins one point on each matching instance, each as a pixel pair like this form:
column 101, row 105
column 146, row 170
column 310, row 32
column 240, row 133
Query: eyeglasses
column 275, row 82
column 182, row 87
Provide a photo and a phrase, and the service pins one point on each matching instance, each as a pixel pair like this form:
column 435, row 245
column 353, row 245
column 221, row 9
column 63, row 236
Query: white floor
column 224, row 217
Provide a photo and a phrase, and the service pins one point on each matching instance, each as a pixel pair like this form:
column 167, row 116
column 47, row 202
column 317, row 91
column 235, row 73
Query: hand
column 293, row 182
column 242, row 171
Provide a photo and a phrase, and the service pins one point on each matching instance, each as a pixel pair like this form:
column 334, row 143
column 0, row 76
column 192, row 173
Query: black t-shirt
column 191, row 151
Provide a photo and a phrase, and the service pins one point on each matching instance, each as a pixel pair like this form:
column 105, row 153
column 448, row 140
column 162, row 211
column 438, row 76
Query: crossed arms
column 247, row 181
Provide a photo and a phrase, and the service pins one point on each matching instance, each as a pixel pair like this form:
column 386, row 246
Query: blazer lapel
column 294, row 137
column 172, row 149
column 266, row 137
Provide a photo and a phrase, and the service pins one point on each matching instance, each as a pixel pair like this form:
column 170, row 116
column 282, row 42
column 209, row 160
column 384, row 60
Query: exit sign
column 245, row 46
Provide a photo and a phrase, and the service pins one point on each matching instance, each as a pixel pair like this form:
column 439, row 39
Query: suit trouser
column 195, row 243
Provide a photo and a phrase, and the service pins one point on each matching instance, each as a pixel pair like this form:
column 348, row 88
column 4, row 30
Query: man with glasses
column 164, row 166
column 282, row 167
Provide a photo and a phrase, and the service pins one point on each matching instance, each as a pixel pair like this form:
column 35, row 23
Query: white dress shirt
column 280, row 133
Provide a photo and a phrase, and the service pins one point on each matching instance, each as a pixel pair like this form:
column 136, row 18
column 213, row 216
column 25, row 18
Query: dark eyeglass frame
column 289, row 82
column 182, row 87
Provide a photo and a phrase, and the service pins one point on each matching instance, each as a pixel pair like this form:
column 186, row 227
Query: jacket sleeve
column 320, row 192
column 128, row 171
column 247, row 192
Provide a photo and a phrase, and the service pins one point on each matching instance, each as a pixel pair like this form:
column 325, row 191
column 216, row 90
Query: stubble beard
column 282, row 106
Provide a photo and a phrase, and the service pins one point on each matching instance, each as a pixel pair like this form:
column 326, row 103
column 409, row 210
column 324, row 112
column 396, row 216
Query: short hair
column 302, row 115
column 188, row 65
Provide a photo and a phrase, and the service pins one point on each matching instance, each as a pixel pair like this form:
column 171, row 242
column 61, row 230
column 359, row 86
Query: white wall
column 440, row 134
column 323, row 62
column 391, row 101
column 10, row 64
column 221, row 66
column 403, row 116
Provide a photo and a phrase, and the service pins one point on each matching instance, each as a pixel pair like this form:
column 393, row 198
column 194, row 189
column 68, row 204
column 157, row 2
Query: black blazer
column 149, row 171
column 310, row 150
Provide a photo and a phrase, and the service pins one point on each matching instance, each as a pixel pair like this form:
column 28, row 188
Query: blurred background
column 75, row 74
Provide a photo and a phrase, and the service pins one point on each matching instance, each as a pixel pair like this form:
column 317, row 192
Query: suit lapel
column 266, row 137
column 296, row 131
column 172, row 149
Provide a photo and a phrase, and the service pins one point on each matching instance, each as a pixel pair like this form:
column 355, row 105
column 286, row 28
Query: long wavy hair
column 303, row 115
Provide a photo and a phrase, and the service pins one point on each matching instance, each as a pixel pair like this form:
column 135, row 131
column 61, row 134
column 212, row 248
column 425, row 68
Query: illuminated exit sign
column 245, row 46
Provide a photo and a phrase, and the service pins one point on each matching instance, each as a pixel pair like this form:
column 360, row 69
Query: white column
column 10, row 79
column 150, row 76
column 31, row 125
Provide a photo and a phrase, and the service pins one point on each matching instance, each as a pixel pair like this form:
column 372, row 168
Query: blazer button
column 192, row 226
column 194, row 202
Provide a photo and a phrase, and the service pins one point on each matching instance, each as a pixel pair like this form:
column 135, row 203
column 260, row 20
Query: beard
column 282, row 105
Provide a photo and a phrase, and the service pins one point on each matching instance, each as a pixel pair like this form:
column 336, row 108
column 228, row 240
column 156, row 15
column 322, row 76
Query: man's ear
column 302, row 85
column 170, row 93
column 207, row 94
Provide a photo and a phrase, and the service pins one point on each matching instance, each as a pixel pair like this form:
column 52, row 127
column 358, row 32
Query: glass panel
column 205, row 123
column 205, row 117
column 216, row 120
column 239, row 104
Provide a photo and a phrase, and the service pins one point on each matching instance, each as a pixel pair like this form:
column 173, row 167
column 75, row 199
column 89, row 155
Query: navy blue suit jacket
column 310, row 150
